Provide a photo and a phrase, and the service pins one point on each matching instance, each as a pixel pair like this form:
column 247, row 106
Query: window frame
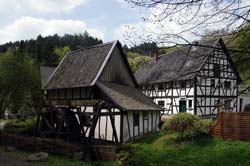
column 136, row 118
column 216, row 70
column 161, row 105
column 227, row 84
column 190, row 103
column 212, row 83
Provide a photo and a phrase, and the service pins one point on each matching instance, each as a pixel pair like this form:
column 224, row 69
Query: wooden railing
column 232, row 126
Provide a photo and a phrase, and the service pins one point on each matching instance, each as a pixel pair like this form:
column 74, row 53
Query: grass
column 160, row 150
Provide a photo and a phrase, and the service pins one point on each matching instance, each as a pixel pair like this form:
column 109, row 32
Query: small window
column 136, row 118
column 160, row 87
column 212, row 83
column 216, row 70
column 190, row 103
column 227, row 84
column 161, row 103
column 183, row 84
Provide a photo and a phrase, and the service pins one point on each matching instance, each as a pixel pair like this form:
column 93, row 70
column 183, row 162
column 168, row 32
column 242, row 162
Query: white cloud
column 39, row 6
column 30, row 27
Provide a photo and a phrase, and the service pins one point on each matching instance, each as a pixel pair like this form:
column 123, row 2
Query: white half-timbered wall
column 213, row 95
column 125, row 128
column 171, row 94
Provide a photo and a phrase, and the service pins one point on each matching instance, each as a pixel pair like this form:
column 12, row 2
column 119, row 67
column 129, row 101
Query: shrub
column 186, row 125
column 20, row 126
column 202, row 126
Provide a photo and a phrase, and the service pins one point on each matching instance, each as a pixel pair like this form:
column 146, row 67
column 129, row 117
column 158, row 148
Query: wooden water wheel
column 60, row 123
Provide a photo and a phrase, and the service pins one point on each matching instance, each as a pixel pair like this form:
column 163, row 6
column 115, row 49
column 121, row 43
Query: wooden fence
column 232, row 126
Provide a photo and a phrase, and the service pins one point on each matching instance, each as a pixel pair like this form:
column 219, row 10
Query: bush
column 187, row 126
column 21, row 126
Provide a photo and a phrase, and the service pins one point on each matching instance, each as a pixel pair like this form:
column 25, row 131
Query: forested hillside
column 49, row 50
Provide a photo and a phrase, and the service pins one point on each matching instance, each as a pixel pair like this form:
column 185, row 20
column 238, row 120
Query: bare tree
column 198, row 17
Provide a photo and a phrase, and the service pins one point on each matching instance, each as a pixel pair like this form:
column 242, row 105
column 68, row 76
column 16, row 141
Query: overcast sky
column 26, row 19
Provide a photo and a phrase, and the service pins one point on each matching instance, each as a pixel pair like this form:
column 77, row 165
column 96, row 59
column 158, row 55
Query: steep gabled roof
column 83, row 67
column 126, row 97
column 182, row 64
column 79, row 68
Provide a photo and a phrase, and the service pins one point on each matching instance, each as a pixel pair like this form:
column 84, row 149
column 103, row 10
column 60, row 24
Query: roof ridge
column 94, row 46
column 203, row 44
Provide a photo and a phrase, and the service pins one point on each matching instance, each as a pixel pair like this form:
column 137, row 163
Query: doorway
column 183, row 106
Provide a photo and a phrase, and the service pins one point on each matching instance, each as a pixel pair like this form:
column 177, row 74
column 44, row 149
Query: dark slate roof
column 126, row 97
column 46, row 72
column 182, row 64
column 80, row 68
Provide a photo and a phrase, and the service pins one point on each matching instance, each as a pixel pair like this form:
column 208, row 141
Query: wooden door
column 183, row 106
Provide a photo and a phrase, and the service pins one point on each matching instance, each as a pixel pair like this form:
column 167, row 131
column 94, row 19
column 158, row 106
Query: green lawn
column 161, row 150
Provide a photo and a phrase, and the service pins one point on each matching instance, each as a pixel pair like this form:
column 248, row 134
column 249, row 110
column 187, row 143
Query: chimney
column 156, row 57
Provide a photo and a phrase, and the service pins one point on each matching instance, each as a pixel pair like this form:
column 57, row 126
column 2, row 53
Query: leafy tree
column 147, row 48
column 19, row 81
column 137, row 61
column 61, row 52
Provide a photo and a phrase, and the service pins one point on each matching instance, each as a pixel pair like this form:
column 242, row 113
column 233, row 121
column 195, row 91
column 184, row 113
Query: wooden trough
column 232, row 126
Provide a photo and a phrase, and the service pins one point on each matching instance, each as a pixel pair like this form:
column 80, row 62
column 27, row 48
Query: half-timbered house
column 200, row 79
column 95, row 93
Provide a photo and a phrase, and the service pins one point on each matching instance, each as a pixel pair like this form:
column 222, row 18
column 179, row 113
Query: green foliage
column 45, row 49
column 242, row 60
column 21, row 126
column 206, row 151
column 187, row 125
column 167, row 50
column 137, row 61
column 20, row 80
column 61, row 52
column 146, row 49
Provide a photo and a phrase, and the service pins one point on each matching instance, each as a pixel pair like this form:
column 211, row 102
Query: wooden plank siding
column 116, row 70
column 232, row 126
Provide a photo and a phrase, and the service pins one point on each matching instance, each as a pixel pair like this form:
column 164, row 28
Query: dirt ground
column 8, row 159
